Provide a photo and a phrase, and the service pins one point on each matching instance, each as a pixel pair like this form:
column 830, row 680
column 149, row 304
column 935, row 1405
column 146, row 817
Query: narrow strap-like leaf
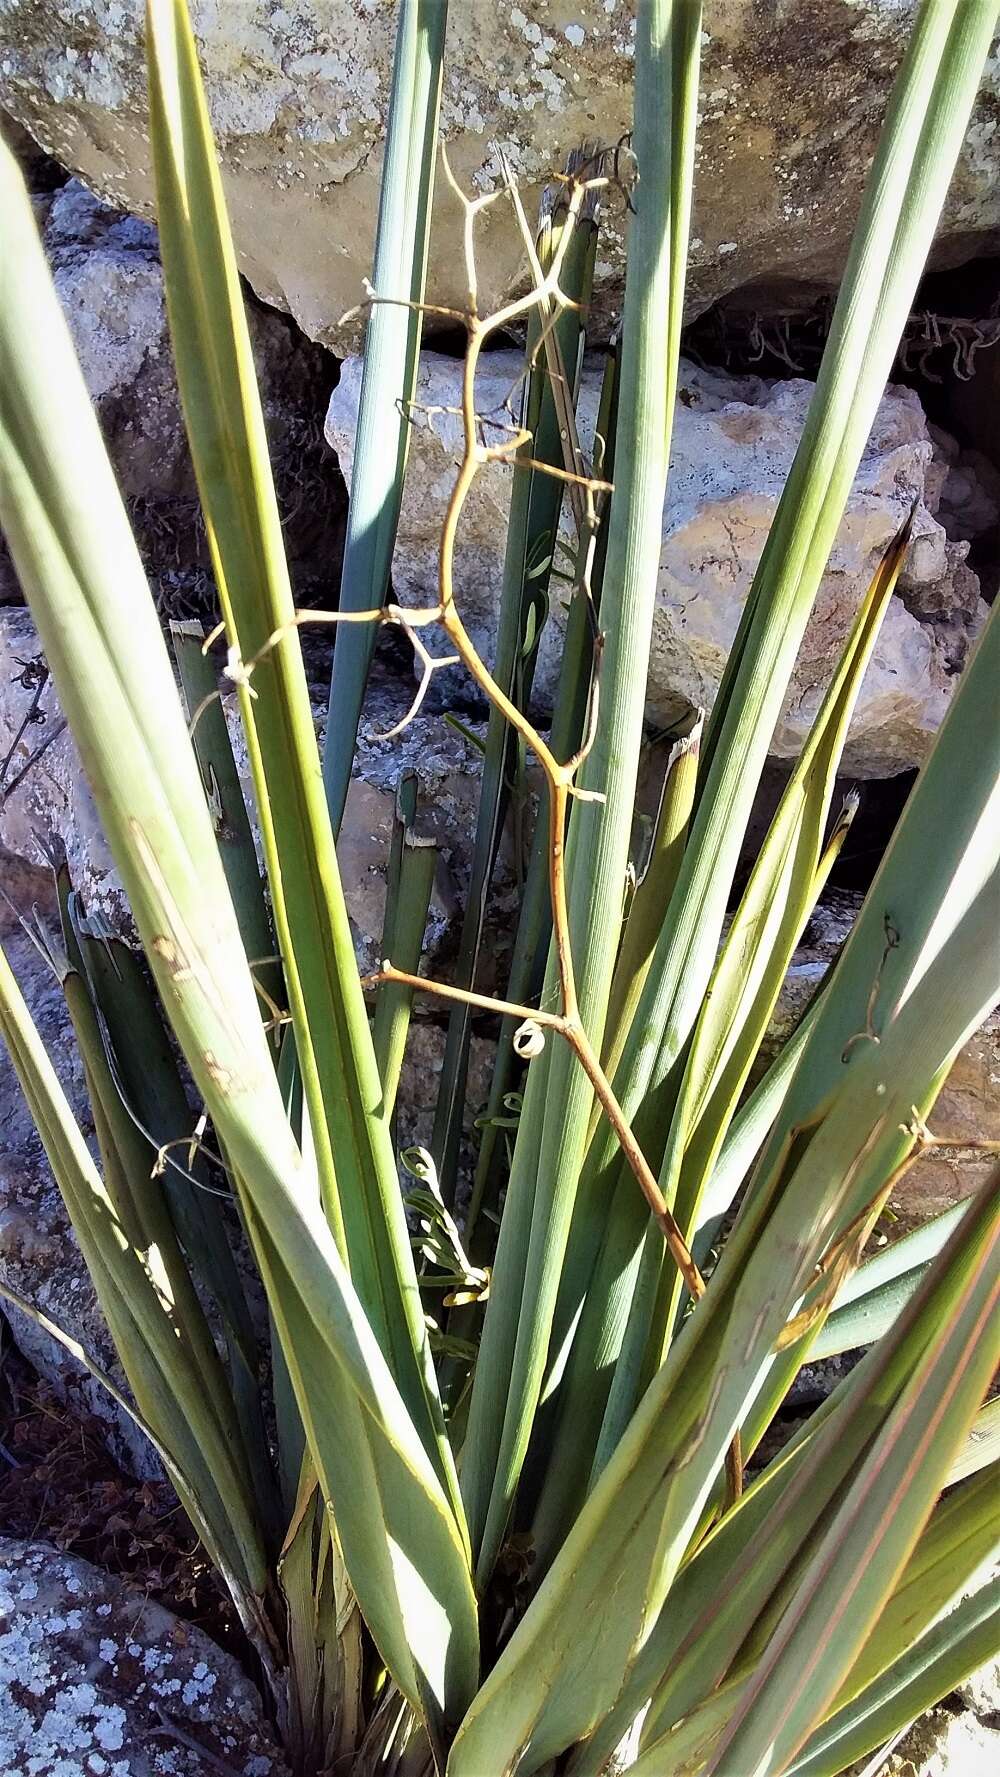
column 224, row 792
column 153, row 1344
column 409, row 884
column 77, row 562
column 652, row 893
column 631, row 1536
column 532, row 531
column 870, row 1299
column 554, row 1122
column 342, row 1090
column 863, row 1553
column 950, row 1652
column 923, row 132
column 389, row 371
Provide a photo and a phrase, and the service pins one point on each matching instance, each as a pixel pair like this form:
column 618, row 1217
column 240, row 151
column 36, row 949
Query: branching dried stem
column 586, row 493
column 548, row 297
column 586, row 490
column 33, row 677
column 239, row 671
column 870, row 1034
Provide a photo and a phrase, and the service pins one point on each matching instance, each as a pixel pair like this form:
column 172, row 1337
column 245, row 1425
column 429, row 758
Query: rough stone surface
column 791, row 106
column 969, row 502
column 107, row 274
column 48, row 806
column 96, row 1681
column 734, row 441
column 420, row 1078
column 958, row 1738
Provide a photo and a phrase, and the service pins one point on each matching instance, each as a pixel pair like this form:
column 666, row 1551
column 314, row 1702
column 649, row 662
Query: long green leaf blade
column 77, row 561
column 949, row 1653
column 532, row 531
column 928, row 114
column 342, row 1089
column 224, row 792
column 869, row 1301
column 556, row 1115
column 154, row 1346
column 866, row 1547
column 409, row 883
column 769, row 921
column 534, row 929
column 741, row 996
column 389, row 372
column 144, row 1085
column 561, row 1669
column 653, row 890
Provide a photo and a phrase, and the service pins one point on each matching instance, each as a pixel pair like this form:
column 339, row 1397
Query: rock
column 106, row 270
column 973, row 404
column 42, row 173
column 967, row 1111
column 435, row 451
column 969, row 501
column 98, row 1681
column 420, row 1078
column 960, row 1737
column 815, row 1381
column 45, row 801
column 46, row 806
column 790, row 112
column 107, row 274
column 448, row 764
column 981, row 1692
column 734, row 441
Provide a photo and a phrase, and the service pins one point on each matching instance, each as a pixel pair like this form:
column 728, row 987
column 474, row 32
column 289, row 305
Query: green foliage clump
column 500, row 1520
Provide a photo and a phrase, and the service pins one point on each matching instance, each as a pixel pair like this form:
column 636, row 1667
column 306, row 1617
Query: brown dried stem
column 547, row 296
column 559, row 775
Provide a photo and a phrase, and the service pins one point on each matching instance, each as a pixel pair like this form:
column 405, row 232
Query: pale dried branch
column 559, row 775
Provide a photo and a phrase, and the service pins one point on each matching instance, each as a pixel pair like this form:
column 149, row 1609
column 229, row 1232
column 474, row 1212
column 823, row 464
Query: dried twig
column 548, row 296
column 34, row 677
column 559, row 775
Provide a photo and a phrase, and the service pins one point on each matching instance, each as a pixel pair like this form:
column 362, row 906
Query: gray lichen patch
column 95, row 1681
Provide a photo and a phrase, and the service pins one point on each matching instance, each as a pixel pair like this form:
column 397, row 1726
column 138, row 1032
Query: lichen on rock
column 98, row 1681
column 298, row 91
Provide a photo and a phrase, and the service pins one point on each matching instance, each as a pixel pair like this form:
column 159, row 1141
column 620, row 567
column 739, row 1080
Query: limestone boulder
column 792, row 99
column 106, row 269
column 734, row 441
column 107, row 275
